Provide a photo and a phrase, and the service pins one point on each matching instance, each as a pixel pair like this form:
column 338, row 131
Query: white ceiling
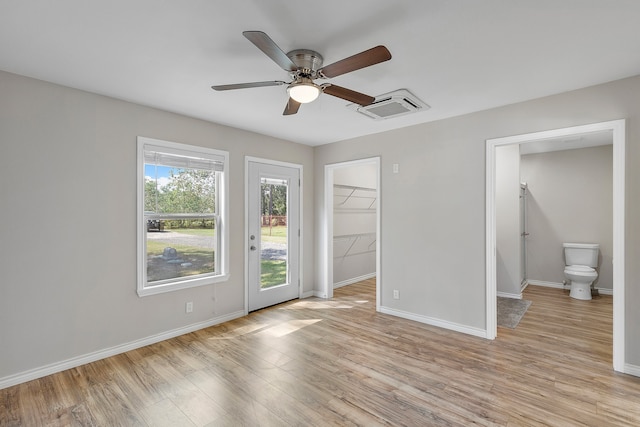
column 459, row 56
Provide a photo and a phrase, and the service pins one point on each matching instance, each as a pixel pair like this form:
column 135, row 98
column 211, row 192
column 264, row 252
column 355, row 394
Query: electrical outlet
column 188, row 307
column 396, row 294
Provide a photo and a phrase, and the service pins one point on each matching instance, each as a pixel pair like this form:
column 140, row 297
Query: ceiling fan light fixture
column 304, row 91
column 304, row 65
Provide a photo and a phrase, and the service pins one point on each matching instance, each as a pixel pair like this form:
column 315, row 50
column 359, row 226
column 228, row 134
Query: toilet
column 581, row 260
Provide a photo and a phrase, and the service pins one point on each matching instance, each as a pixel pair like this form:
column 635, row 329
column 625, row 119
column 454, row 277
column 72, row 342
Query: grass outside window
column 273, row 272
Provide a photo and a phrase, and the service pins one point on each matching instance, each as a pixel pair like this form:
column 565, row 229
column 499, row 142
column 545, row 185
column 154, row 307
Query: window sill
column 186, row 284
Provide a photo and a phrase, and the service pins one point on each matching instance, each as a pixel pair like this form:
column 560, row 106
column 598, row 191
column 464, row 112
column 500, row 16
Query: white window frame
column 222, row 230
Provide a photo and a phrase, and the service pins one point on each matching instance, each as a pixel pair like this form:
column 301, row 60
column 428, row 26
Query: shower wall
column 570, row 199
column 508, row 261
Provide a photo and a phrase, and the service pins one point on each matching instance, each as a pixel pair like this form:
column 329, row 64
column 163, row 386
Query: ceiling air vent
column 392, row 104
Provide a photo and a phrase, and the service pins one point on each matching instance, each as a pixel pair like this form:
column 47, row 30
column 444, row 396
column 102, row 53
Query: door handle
column 253, row 248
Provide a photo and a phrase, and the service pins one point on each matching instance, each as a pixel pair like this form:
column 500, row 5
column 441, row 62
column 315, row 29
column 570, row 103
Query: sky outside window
column 159, row 173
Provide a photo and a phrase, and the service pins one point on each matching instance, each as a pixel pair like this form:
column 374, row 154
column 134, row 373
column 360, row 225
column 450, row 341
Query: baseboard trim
column 603, row 291
column 53, row 368
column 555, row 285
column 308, row 294
column 508, row 295
column 632, row 369
column 476, row 332
column 354, row 280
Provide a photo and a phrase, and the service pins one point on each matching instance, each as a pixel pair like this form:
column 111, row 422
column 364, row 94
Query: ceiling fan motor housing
column 308, row 62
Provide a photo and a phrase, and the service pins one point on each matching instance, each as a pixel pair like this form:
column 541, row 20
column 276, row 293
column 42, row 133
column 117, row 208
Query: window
column 182, row 214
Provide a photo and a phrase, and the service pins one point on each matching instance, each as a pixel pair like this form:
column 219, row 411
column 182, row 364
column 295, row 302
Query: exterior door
column 273, row 233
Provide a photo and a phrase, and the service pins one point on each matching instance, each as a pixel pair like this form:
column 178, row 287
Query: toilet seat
column 580, row 270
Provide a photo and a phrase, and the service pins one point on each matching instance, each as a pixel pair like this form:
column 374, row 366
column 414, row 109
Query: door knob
column 253, row 248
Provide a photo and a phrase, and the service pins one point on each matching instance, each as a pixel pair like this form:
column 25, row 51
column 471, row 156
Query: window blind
column 160, row 157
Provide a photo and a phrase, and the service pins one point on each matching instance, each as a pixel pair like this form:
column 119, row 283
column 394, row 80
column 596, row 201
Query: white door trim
column 327, row 234
column 618, row 129
column 248, row 159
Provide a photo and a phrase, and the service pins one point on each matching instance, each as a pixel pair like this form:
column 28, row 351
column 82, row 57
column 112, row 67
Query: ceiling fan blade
column 291, row 107
column 373, row 56
column 348, row 94
column 247, row 85
column 271, row 49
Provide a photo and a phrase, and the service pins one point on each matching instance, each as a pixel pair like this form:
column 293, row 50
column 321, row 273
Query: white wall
column 354, row 257
column 570, row 200
column 433, row 211
column 68, row 223
column 508, row 239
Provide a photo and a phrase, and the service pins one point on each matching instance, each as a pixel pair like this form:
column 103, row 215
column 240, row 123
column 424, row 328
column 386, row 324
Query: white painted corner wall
column 73, row 298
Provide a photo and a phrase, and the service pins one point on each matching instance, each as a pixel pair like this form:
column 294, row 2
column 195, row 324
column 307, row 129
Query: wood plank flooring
column 338, row 362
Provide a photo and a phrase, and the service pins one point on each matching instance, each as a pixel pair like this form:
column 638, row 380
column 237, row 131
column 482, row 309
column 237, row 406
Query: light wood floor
column 338, row 362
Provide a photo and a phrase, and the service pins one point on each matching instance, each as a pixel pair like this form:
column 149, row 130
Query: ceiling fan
column 304, row 66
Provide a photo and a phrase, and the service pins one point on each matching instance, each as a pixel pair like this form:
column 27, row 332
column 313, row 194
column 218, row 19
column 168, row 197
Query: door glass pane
column 274, row 233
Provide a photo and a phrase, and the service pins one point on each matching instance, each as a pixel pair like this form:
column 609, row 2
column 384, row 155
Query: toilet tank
column 581, row 254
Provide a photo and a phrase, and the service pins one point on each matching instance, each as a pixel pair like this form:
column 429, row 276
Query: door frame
column 326, row 290
column 618, row 132
column 247, row 160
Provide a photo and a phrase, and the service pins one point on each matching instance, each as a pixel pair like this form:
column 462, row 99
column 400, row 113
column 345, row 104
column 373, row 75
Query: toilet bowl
column 580, row 260
column 581, row 278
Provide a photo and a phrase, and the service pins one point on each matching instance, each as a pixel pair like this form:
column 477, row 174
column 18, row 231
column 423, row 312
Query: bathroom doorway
column 352, row 212
column 617, row 131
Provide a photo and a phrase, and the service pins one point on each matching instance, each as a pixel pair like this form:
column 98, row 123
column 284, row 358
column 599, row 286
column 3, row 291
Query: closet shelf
column 349, row 236
column 353, row 244
column 349, row 198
